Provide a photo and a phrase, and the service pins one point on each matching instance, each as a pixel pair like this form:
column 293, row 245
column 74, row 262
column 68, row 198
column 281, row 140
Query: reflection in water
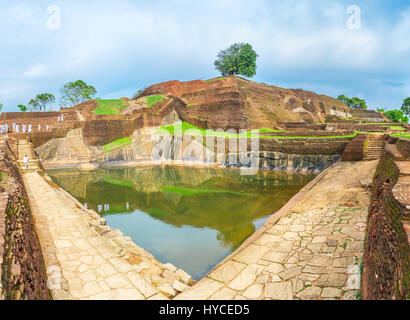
column 190, row 217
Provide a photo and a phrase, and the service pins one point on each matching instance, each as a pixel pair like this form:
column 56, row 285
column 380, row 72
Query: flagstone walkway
column 312, row 254
column 85, row 259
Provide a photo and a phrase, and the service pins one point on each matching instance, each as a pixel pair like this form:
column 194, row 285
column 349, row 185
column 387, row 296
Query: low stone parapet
column 386, row 271
column 21, row 259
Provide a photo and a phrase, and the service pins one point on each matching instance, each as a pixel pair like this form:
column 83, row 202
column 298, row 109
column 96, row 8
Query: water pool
column 190, row 217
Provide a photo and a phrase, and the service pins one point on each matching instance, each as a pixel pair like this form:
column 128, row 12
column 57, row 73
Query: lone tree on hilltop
column 353, row 103
column 405, row 108
column 22, row 107
column 76, row 92
column 239, row 59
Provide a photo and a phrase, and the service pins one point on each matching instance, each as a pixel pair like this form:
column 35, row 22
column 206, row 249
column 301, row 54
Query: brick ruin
column 230, row 103
column 23, row 274
column 386, row 269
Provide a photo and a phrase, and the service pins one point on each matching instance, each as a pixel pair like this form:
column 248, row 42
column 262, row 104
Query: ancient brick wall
column 331, row 146
column 102, row 132
column 6, row 116
column 301, row 126
column 355, row 149
column 359, row 127
column 23, row 270
column 386, row 269
column 404, row 147
column 40, row 138
column 320, row 146
column 305, row 133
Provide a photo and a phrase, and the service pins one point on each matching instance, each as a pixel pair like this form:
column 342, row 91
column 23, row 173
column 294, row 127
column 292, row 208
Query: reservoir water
column 190, row 217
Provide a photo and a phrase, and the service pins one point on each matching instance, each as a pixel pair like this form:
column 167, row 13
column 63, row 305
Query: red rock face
column 233, row 102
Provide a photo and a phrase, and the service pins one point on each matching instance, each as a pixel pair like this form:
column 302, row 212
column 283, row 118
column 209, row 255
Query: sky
column 123, row 46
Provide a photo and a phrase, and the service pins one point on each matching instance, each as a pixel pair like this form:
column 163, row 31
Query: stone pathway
column 86, row 259
column 374, row 147
column 313, row 254
column 24, row 147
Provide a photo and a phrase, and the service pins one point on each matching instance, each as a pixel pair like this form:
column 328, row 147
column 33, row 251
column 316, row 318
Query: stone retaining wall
column 386, row 270
column 305, row 133
column 404, row 147
column 23, row 273
column 321, row 146
column 102, row 132
column 356, row 148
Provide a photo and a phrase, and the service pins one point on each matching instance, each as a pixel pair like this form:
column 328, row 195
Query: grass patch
column 118, row 182
column 397, row 128
column 151, row 100
column 190, row 192
column 185, row 126
column 405, row 135
column 191, row 105
column 105, row 107
column 263, row 130
column 304, row 137
column 392, row 126
column 378, row 123
column 117, row 144
column 215, row 79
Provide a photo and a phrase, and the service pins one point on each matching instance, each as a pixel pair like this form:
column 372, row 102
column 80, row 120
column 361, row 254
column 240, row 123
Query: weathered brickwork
column 355, row 149
column 404, row 147
column 23, row 273
column 386, row 272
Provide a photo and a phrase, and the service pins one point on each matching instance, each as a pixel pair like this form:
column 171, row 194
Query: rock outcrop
column 233, row 102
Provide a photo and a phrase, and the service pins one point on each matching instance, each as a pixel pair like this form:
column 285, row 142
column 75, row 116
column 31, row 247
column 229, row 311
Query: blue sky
column 122, row 46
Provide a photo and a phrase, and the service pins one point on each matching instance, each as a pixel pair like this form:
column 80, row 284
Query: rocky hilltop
column 120, row 132
column 233, row 102
column 225, row 102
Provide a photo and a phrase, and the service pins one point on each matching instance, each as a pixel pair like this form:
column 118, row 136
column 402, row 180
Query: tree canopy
column 405, row 107
column 1, row 106
column 22, row 107
column 396, row 116
column 239, row 59
column 44, row 99
column 76, row 92
column 34, row 104
column 353, row 103
column 41, row 101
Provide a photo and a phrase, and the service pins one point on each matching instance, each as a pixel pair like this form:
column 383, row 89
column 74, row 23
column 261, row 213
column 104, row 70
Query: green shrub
column 114, row 106
column 151, row 100
column 117, row 144
column 184, row 126
column 215, row 79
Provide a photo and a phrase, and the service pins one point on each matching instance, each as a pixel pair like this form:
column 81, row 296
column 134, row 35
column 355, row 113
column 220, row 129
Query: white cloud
column 115, row 45
column 35, row 72
column 20, row 13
